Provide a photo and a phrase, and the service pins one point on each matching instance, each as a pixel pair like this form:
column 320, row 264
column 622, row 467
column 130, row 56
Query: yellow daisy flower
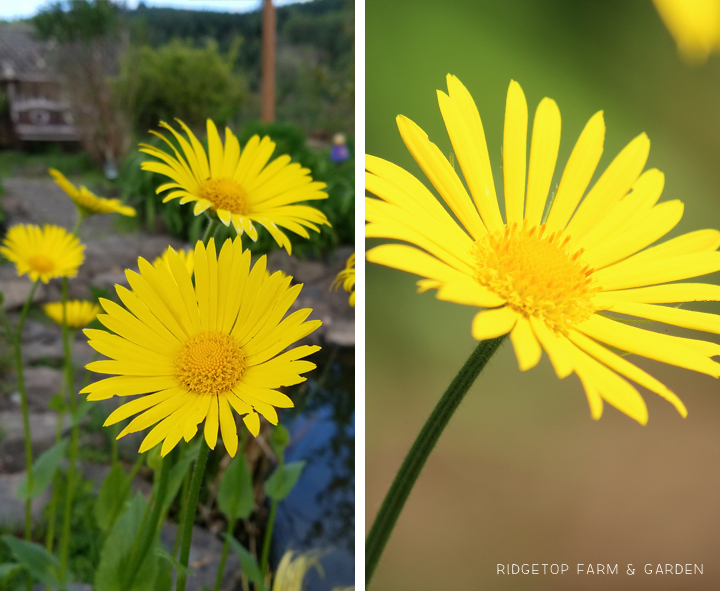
column 79, row 313
column 694, row 24
column 187, row 257
column 240, row 187
column 43, row 253
column 86, row 201
column 196, row 351
column 547, row 283
column 346, row 278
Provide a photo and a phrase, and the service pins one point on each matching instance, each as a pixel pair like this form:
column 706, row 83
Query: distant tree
column 89, row 42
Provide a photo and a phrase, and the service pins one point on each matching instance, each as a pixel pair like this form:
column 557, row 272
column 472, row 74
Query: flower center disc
column 226, row 194
column 41, row 263
column 210, row 363
column 536, row 274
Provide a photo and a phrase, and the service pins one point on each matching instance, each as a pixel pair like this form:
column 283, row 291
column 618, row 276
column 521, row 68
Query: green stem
column 268, row 538
column 151, row 531
column 210, row 229
column 271, row 518
column 183, row 505
column 415, row 460
column 78, row 223
column 70, row 490
column 231, row 526
column 16, row 340
column 188, row 518
column 223, row 557
column 50, row 536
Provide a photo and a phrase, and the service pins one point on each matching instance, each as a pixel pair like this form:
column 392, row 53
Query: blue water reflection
column 320, row 511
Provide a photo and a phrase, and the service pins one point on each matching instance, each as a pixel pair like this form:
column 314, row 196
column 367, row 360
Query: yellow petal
column 624, row 367
column 578, row 172
column 543, row 157
column 612, row 186
column 474, row 151
column 438, row 170
column 491, row 324
column 648, row 344
column 514, row 152
column 632, row 274
column 555, row 346
column 527, row 348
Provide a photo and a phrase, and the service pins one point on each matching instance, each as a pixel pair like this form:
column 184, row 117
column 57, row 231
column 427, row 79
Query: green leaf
column 7, row 570
column 80, row 412
column 113, row 494
column 43, row 471
column 235, row 497
column 43, row 565
column 117, row 550
column 58, row 404
column 248, row 563
column 283, row 480
column 164, row 554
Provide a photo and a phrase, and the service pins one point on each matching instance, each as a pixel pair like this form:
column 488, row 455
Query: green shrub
column 179, row 80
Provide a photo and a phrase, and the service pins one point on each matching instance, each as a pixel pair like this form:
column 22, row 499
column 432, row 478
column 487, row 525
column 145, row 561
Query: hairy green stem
column 188, row 518
column 420, row 451
column 70, row 489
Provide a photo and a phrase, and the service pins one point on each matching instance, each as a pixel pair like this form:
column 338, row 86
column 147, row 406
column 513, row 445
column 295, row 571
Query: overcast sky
column 17, row 9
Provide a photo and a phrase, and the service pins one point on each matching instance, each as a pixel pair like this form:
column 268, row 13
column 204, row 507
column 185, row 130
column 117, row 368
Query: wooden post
column 268, row 61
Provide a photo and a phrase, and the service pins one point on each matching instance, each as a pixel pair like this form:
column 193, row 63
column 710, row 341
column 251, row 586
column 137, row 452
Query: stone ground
column 108, row 253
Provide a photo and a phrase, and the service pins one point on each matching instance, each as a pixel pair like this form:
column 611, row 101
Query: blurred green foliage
column 137, row 188
column 180, row 81
column 77, row 20
column 314, row 61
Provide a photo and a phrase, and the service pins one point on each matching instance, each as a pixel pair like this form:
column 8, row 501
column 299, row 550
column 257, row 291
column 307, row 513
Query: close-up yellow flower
column 346, row 278
column 549, row 279
column 239, row 185
column 43, row 253
column 187, row 257
column 87, row 202
column 694, row 24
column 196, row 350
column 79, row 313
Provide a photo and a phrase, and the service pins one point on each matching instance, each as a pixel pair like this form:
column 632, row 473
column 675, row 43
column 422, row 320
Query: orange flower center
column 41, row 263
column 537, row 274
column 226, row 194
column 210, row 363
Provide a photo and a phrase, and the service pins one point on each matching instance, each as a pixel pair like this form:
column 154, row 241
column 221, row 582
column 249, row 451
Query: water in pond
column 320, row 511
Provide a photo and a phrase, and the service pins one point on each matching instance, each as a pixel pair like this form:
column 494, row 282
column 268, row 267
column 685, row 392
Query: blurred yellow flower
column 293, row 567
column 550, row 283
column 346, row 278
column 239, row 186
column 695, row 25
column 194, row 350
column 87, row 202
column 78, row 315
column 187, row 257
column 43, row 253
